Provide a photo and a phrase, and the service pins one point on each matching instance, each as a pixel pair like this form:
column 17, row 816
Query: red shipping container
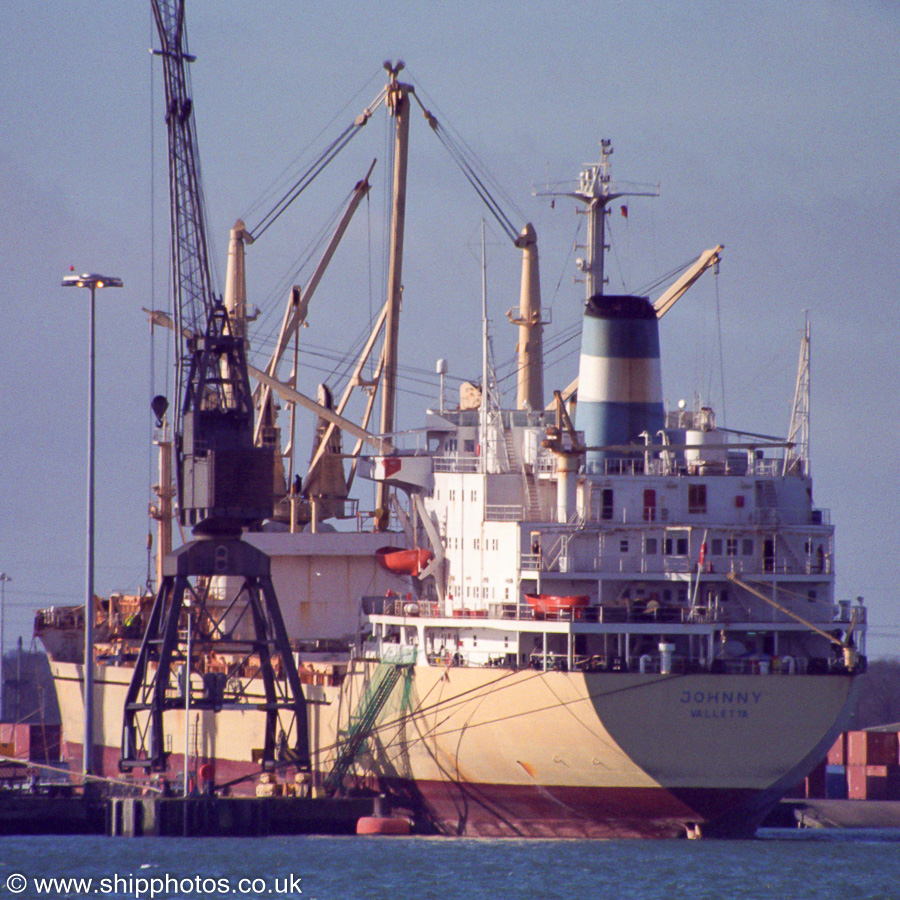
column 31, row 743
column 867, row 782
column 872, row 748
column 837, row 755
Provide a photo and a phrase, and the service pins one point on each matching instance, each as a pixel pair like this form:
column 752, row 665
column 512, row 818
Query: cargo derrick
column 224, row 485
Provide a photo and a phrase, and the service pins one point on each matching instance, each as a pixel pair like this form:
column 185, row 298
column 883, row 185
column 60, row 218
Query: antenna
column 797, row 457
column 596, row 190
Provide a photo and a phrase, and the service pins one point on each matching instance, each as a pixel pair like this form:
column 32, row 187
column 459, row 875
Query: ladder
column 362, row 721
column 531, row 507
column 533, row 510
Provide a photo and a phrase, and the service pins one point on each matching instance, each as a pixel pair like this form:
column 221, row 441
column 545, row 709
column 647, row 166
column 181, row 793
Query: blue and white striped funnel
column 619, row 376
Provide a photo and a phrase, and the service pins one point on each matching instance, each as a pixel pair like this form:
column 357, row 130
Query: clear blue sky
column 773, row 134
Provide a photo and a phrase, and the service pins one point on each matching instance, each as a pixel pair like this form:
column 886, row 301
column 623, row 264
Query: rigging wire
column 152, row 360
column 270, row 319
column 470, row 154
column 273, row 189
column 307, row 178
column 475, row 173
column 477, row 183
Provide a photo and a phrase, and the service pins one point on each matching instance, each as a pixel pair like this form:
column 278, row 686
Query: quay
column 195, row 816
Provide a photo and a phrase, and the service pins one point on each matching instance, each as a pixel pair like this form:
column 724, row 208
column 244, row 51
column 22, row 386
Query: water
column 783, row 865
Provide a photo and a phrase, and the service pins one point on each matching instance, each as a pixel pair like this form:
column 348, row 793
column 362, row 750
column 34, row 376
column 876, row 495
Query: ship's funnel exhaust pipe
column 530, row 350
column 619, row 376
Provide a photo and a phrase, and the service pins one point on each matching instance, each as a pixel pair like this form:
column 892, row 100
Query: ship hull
column 523, row 753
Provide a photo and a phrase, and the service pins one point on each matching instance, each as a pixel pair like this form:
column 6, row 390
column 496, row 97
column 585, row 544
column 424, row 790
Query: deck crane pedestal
column 224, row 485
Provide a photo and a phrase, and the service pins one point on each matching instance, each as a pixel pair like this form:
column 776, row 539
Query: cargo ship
column 588, row 617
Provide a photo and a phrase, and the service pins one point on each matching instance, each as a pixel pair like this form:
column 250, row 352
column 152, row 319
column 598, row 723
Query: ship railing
column 633, row 612
column 844, row 611
column 765, row 466
column 647, row 664
column 399, row 654
column 668, row 464
column 774, row 567
column 795, row 517
column 503, row 512
column 60, row 617
column 400, row 606
column 455, row 463
column 650, row 564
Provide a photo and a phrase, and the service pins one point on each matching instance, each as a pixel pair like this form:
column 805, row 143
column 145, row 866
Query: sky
column 774, row 135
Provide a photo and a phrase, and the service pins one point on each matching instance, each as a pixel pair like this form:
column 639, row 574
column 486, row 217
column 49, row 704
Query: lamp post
column 93, row 282
column 3, row 579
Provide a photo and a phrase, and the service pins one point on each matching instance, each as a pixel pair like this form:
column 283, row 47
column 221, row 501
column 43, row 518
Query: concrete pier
column 234, row 816
column 22, row 812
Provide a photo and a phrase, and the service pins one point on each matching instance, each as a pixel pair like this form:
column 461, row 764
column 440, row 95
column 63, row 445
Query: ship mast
column 595, row 191
column 398, row 104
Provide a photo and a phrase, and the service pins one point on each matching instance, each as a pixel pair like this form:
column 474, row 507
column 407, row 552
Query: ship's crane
column 224, row 485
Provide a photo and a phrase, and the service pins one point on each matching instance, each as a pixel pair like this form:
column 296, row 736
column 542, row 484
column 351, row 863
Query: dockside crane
column 224, row 485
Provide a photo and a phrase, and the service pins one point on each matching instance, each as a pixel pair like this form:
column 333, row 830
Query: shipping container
column 872, row 748
column 837, row 755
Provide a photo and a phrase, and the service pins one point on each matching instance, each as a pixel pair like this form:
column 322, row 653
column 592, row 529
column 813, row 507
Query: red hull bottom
column 493, row 810
column 490, row 810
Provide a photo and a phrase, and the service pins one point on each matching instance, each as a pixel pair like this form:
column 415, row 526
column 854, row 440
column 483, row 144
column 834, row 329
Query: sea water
column 779, row 865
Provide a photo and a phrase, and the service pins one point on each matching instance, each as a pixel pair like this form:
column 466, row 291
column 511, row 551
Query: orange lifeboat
column 403, row 562
column 551, row 603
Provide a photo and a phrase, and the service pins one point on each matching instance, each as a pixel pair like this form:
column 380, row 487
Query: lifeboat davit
column 403, row 562
column 552, row 603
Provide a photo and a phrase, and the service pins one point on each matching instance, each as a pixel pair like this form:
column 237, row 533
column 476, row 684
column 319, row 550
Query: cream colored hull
column 493, row 751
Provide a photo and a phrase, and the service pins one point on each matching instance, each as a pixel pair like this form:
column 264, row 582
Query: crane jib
column 225, row 483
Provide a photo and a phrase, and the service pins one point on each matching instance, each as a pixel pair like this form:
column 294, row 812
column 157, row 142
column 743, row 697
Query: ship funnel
column 619, row 376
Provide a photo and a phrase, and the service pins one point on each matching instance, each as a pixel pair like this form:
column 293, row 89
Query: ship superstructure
column 631, row 538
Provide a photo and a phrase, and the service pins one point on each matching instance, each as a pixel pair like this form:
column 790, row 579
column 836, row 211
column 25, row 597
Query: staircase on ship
column 361, row 724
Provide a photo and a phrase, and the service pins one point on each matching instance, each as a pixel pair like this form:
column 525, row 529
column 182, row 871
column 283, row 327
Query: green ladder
column 361, row 723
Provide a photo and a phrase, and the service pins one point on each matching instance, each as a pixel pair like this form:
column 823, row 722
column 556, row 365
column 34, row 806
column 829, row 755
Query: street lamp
column 92, row 282
column 3, row 579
